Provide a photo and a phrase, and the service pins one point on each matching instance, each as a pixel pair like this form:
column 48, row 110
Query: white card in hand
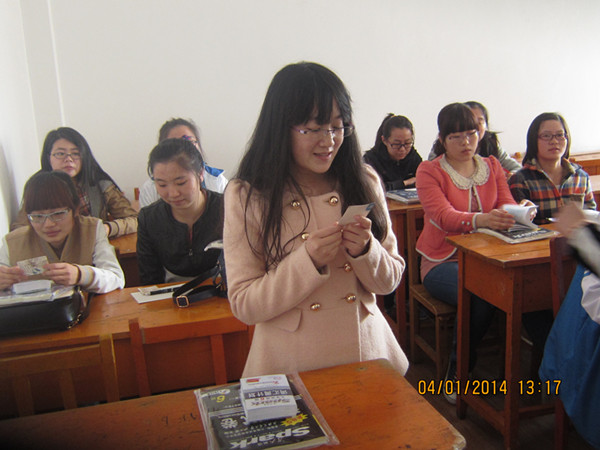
column 355, row 210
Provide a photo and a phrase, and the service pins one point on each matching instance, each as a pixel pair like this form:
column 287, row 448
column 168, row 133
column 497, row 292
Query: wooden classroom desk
column 367, row 405
column 171, row 366
column 398, row 211
column 125, row 247
column 516, row 279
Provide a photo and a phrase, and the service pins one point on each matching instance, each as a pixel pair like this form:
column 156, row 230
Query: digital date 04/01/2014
column 486, row 387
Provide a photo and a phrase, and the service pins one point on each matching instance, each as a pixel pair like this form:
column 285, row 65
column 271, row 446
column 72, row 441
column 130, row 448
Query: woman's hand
column 569, row 218
column 496, row 219
column 323, row 244
column 10, row 276
column 62, row 273
column 526, row 202
column 107, row 229
column 356, row 236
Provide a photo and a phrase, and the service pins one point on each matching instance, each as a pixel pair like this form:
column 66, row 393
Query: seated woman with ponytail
column 76, row 247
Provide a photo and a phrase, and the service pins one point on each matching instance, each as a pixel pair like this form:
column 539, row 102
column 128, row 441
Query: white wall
column 18, row 140
column 117, row 69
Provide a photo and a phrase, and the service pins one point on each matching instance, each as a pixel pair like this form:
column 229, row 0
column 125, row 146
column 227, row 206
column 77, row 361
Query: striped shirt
column 532, row 183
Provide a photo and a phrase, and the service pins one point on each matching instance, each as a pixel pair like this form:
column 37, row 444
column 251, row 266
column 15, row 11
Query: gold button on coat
column 295, row 204
column 304, row 236
column 347, row 267
column 333, row 200
column 315, row 306
column 350, row 298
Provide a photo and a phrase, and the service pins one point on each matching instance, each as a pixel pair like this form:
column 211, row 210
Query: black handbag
column 197, row 289
column 69, row 307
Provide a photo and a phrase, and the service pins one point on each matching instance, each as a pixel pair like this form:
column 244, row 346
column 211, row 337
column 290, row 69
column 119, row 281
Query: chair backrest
column 176, row 332
column 414, row 225
column 562, row 268
column 59, row 363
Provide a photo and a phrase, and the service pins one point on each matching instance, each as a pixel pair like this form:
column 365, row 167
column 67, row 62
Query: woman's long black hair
column 91, row 172
column 296, row 92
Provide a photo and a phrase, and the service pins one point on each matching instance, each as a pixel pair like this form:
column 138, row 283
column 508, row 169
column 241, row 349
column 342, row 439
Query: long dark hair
column 453, row 118
column 295, row 93
column 91, row 172
column 390, row 122
column 533, row 131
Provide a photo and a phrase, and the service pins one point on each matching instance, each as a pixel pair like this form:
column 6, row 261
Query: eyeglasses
column 75, row 156
column 192, row 139
column 549, row 136
column 408, row 145
column 459, row 137
column 57, row 216
column 319, row 133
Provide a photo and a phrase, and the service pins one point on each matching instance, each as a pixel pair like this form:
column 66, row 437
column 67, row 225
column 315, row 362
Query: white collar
column 479, row 177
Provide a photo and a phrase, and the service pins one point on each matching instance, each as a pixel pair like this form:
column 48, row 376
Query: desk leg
column 463, row 336
column 399, row 225
column 512, row 362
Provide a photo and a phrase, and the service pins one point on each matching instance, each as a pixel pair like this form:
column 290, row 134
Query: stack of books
column 227, row 426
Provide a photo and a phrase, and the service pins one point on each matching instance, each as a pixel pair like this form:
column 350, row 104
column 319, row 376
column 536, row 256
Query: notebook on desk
column 404, row 195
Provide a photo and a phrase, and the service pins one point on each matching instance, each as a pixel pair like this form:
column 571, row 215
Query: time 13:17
column 530, row 387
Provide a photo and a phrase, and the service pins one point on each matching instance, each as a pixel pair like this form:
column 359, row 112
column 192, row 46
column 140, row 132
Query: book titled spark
column 267, row 397
column 227, row 427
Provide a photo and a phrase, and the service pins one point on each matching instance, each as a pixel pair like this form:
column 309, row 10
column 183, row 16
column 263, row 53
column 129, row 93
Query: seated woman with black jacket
column 394, row 156
column 174, row 231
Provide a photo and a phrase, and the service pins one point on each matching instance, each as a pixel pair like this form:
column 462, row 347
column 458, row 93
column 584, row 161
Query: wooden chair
column 59, row 363
column 176, row 332
column 443, row 313
column 562, row 268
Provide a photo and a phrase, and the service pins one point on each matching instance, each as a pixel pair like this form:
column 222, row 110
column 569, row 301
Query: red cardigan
column 447, row 203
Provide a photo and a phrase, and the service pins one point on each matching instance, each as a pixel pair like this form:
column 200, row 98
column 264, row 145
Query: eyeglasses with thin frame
column 560, row 136
column 408, row 145
column 459, row 137
column 320, row 133
column 56, row 216
column 75, row 156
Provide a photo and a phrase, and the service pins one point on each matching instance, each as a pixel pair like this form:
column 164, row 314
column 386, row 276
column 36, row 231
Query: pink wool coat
column 305, row 319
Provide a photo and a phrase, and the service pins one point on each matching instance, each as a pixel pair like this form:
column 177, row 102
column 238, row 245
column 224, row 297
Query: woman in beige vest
column 76, row 247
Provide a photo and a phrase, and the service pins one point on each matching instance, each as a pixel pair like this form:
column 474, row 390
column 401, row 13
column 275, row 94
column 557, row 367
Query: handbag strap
column 191, row 292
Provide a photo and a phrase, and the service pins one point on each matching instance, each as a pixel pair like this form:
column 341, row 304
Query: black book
column 227, row 428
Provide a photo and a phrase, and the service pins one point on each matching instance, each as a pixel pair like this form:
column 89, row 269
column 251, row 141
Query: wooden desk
column 368, row 406
column 516, row 279
column 398, row 212
column 172, row 366
column 590, row 162
column 126, row 253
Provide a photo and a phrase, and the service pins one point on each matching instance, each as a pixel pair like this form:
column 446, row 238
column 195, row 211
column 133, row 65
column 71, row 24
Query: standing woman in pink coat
column 307, row 282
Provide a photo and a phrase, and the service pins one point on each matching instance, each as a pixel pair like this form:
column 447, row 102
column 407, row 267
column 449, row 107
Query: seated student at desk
column 460, row 191
column 66, row 150
column 77, row 248
column 213, row 180
column 547, row 178
column 394, row 156
column 174, row 231
column 489, row 144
